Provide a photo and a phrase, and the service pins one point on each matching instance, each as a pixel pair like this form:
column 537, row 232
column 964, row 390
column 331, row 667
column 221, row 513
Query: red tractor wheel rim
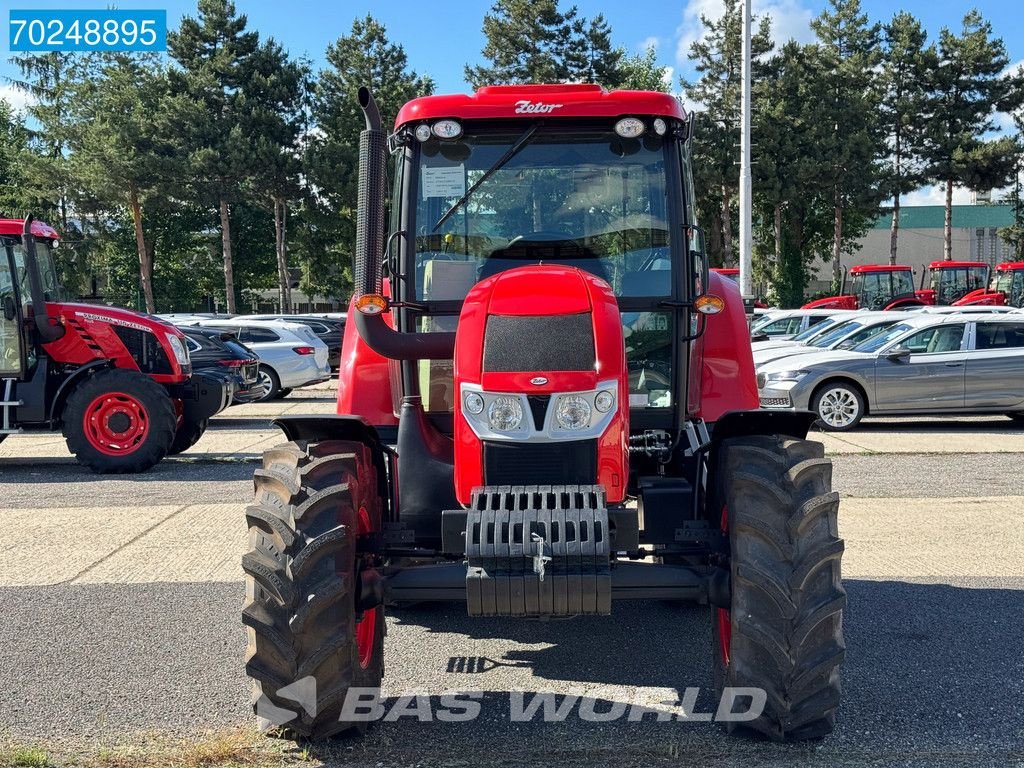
column 722, row 615
column 366, row 628
column 116, row 424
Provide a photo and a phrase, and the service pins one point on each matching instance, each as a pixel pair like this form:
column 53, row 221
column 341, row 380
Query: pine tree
column 214, row 54
column 717, row 60
column 850, row 51
column 527, row 42
column 905, row 108
column 968, row 87
column 642, row 73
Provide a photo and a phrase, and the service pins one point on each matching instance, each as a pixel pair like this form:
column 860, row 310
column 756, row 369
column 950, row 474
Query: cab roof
column 861, row 268
column 1007, row 266
column 17, row 226
column 955, row 264
column 532, row 101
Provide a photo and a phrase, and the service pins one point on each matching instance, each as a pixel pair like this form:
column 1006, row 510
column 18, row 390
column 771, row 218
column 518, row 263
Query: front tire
column 839, row 406
column 783, row 631
column 119, row 421
column 304, row 582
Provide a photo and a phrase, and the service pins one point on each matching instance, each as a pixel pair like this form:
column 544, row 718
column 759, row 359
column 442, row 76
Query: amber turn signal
column 709, row 305
column 371, row 304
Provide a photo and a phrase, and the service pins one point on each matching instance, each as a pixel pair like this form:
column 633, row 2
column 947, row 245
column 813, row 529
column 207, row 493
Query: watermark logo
column 302, row 692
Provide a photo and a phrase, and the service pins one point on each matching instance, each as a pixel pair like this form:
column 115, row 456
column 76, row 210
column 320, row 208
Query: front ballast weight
column 538, row 551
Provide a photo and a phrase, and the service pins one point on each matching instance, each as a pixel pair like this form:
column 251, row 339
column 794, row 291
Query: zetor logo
column 534, row 107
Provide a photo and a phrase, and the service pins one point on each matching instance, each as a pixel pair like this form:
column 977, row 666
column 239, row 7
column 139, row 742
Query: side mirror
column 699, row 261
column 898, row 354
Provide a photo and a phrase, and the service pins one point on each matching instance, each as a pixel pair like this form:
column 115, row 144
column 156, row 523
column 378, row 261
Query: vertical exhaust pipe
column 369, row 247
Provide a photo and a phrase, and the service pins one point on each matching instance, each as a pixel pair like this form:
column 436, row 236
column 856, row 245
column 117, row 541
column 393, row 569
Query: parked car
column 924, row 364
column 329, row 331
column 214, row 350
column 290, row 354
column 847, row 333
column 790, row 322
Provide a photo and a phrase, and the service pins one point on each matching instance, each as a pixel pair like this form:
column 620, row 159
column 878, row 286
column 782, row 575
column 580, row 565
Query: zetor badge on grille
column 548, row 405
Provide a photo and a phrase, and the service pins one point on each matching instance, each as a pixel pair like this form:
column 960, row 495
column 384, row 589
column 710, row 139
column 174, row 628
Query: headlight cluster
column 785, row 376
column 573, row 414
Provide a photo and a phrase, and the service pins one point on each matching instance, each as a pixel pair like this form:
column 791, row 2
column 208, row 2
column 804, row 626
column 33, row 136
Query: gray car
column 926, row 364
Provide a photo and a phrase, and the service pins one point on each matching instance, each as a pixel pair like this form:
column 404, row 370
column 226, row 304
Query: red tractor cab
column 873, row 286
column 548, row 406
column 950, row 281
column 117, row 383
column 1006, row 288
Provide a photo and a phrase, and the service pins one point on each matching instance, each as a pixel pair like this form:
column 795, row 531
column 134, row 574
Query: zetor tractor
column 873, row 286
column 950, row 281
column 118, row 383
column 547, row 405
column 1006, row 288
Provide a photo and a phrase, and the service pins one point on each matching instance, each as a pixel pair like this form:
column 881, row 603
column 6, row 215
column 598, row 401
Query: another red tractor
column 1006, row 288
column 873, row 286
column 547, row 404
column 118, row 383
column 951, row 281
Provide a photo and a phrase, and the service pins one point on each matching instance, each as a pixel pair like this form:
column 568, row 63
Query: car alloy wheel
column 838, row 407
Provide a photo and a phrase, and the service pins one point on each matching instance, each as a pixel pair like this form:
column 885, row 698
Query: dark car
column 214, row 350
column 328, row 330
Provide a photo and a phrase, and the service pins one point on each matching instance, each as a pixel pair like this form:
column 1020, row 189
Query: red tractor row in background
column 1006, row 288
column 547, row 404
column 118, row 383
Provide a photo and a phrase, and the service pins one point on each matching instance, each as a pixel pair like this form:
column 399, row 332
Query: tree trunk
column 283, row 288
column 837, row 245
column 775, row 270
column 947, row 233
column 894, row 230
column 145, row 263
column 726, row 228
column 229, row 273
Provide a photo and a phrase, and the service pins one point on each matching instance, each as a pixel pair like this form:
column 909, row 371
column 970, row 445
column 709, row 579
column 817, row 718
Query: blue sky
column 441, row 36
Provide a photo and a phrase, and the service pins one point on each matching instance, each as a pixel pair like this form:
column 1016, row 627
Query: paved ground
column 119, row 601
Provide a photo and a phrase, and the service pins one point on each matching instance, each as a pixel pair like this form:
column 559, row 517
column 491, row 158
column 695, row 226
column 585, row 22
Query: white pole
column 746, row 235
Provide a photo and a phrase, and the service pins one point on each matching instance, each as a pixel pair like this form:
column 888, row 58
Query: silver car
column 845, row 333
column 925, row 364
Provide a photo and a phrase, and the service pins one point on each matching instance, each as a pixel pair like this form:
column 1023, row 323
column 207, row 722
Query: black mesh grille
column 568, row 463
column 539, row 343
column 144, row 349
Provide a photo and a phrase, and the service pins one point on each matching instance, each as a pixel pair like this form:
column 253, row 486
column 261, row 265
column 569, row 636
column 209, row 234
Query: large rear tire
column 187, row 435
column 783, row 631
column 119, row 421
column 309, row 639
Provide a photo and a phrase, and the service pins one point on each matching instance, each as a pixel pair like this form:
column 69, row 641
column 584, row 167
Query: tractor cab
column 950, row 281
column 875, row 287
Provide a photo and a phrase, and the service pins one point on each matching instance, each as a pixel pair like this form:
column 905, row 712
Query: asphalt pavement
column 120, row 599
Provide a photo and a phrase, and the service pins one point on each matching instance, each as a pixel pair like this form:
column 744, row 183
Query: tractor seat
column 522, row 253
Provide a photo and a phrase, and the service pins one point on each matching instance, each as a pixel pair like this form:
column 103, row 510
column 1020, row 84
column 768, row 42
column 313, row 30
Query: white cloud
column 790, row 19
column 16, row 97
column 936, row 195
column 648, row 43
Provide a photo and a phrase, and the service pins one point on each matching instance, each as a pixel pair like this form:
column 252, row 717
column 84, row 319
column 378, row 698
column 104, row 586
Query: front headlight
column 505, row 414
column 180, row 353
column 786, row 376
column 573, row 412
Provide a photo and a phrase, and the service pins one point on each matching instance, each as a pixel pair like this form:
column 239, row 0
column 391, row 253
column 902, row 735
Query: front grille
column 775, row 402
column 145, row 349
column 565, row 463
column 539, row 343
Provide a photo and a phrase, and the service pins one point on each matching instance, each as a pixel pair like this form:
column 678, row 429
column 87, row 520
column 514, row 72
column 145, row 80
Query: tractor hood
column 87, row 314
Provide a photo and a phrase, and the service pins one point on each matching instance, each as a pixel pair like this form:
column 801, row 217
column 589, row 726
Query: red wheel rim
column 116, row 424
column 722, row 616
column 366, row 628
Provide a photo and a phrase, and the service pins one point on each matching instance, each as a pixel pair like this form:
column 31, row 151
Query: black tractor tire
column 100, row 406
column 188, row 434
column 304, row 582
column 783, row 631
column 269, row 376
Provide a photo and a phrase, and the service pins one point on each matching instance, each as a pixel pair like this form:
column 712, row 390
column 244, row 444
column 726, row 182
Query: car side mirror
column 898, row 354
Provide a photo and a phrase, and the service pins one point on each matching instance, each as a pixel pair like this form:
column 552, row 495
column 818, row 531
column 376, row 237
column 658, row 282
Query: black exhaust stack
column 47, row 331
column 369, row 249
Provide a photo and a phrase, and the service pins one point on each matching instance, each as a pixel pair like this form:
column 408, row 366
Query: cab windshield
column 588, row 199
column 953, row 283
column 875, row 289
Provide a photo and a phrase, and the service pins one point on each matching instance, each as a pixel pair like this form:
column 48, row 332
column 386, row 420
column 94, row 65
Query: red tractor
column 1006, row 288
column 118, row 383
column 547, row 404
column 873, row 286
column 951, row 281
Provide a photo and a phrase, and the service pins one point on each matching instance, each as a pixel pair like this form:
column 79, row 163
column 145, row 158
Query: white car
column 846, row 333
column 788, row 323
column 290, row 354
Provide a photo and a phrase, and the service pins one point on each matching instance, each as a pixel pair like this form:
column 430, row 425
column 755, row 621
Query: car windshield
column 862, row 335
column 835, row 334
column 816, row 330
column 877, row 342
column 583, row 198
